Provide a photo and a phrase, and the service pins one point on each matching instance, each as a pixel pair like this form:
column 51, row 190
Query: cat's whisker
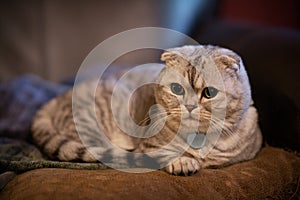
column 153, row 117
column 221, row 125
column 155, row 124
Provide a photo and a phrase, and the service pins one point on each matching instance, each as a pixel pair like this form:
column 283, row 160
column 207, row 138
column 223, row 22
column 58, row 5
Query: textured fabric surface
column 20, row 99
column 274, row 174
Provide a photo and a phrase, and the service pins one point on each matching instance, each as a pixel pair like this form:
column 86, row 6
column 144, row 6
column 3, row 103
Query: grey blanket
column 20, row 99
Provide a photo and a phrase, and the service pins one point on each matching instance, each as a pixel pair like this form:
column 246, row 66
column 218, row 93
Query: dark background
column 51, row 37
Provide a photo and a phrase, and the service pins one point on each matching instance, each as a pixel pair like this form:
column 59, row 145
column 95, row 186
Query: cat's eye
column 176, row 88
column 209, row 92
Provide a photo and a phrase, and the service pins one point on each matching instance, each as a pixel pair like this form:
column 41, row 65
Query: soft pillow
column 273, row 174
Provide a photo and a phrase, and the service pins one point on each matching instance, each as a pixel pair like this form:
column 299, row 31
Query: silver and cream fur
column 201, row 89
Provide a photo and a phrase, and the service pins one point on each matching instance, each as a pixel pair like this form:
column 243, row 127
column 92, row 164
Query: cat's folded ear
column 229, row 60
column 173, row 59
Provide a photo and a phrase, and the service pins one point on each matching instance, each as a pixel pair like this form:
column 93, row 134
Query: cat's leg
column 71, row 150
column 183, row 166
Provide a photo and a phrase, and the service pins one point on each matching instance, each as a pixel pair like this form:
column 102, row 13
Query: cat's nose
column 190, row 108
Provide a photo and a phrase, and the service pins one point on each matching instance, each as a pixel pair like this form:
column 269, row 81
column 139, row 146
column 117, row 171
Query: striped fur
column 228, row 119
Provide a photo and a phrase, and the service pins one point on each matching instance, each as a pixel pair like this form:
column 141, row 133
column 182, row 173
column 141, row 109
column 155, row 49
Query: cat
column 197, row 113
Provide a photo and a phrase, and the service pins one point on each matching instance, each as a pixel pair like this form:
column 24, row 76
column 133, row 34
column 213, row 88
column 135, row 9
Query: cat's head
column 203, row 88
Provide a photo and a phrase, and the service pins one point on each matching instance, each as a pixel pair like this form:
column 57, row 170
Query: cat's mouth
column 191, row 118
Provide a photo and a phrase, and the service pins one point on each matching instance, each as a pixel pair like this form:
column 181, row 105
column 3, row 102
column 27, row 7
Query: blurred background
column 51, row 38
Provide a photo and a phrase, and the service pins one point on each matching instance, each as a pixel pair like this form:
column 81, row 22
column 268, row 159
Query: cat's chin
column 192, row 125
column 188, row 126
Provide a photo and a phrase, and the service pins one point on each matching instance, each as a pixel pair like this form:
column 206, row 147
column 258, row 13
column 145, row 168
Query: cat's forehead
column 197, row 75
column 201, row 71
column 206, row 73
column 201, row 55
column 202, row 65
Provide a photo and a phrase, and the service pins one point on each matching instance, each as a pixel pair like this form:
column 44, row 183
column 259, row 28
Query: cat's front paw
column 183, row 166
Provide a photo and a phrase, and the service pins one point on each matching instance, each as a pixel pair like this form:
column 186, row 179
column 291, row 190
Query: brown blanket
column 273, row 174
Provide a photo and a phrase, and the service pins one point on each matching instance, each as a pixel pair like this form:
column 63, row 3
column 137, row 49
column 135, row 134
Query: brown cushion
column 274, row 173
